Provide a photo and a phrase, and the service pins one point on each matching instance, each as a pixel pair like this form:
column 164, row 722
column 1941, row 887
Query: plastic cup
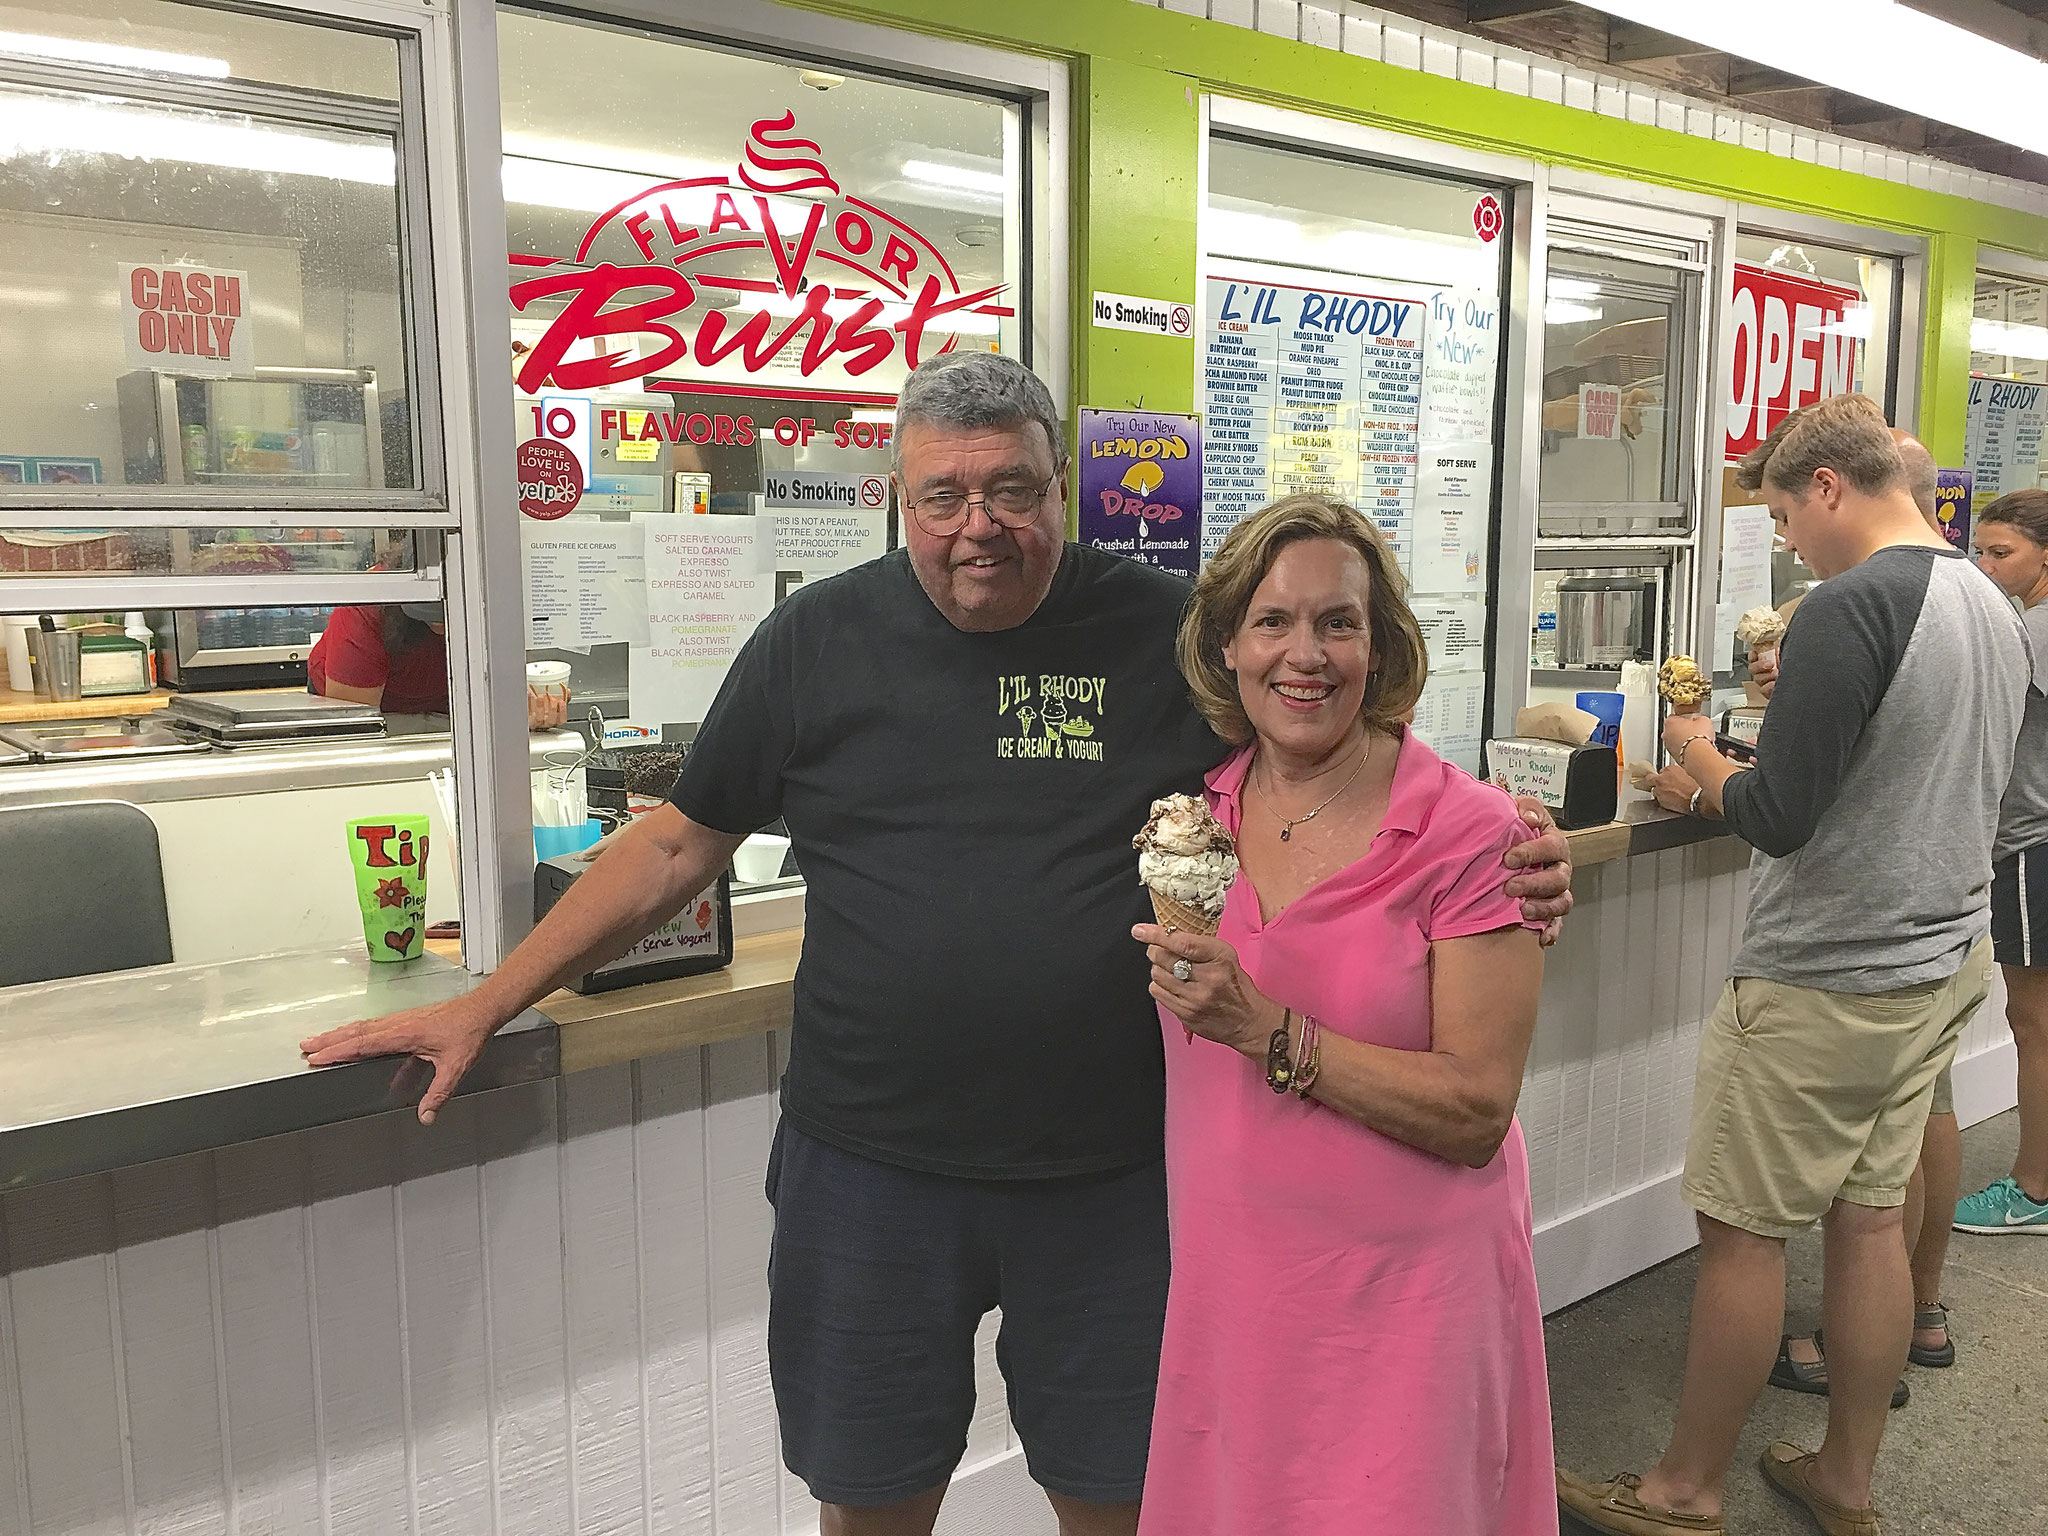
column 1606, row 708
column 389, row 856
column 554, row 842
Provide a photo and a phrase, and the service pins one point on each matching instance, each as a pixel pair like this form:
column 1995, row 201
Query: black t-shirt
column 970, row 1000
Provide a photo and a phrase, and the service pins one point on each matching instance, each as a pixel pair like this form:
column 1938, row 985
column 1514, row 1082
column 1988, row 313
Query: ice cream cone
column 1172, row 914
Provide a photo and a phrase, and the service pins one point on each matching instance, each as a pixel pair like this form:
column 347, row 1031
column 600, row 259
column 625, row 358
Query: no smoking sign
column 874, row 492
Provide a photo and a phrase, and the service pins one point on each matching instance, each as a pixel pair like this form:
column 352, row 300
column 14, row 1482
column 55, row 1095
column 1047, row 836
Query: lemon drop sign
column 1141, row 486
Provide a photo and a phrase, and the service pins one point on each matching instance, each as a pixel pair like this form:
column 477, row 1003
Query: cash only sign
column 768, row 280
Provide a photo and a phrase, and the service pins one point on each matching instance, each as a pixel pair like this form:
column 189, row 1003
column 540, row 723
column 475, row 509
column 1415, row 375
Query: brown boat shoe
column 1612, row 1506
column 1786, row 1468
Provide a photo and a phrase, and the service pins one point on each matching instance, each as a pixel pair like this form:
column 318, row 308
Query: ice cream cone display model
column 1683, row 685
column 1186, row 862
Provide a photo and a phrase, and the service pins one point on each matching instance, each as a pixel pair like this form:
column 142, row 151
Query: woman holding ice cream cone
column 1353, row 1339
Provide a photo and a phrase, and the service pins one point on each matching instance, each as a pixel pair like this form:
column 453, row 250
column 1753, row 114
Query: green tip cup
column 389, row 857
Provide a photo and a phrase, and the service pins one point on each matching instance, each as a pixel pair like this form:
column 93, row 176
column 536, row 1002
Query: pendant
column 1286, row 831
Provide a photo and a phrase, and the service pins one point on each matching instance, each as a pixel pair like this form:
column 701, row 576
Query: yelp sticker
column 550, row 479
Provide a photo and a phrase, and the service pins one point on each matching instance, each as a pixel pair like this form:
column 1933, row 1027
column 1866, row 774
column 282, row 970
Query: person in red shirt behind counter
column 396, row 659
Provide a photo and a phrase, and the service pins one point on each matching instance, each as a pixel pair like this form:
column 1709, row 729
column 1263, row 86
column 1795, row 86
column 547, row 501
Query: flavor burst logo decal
column 853, row 284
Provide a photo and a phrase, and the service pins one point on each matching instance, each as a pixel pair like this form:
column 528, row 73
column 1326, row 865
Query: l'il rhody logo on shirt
column 1046, row 715
column 853, row 285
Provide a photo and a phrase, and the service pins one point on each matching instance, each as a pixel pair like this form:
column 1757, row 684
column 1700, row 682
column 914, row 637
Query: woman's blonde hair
column 1223, row 594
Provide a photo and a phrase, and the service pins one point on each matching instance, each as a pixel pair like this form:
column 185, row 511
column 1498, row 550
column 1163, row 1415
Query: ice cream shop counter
column 105, row 1072
column 1643, row 827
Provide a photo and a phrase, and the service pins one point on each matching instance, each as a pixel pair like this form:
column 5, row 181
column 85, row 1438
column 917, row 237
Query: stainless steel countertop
column 252, row 770
column 102, row 1072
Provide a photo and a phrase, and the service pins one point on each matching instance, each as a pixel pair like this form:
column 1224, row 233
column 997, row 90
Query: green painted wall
column 1139, row 72
column 1139, row 144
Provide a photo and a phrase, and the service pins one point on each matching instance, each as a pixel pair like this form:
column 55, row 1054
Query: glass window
column 719, row 283
column 207, row 264
column 1614, row 334
column 1352, row 352
column 2008, row 388
column 1811, row 320
column 214, row 294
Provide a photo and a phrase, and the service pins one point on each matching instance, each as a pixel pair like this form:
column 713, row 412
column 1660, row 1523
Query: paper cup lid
column 540, row 674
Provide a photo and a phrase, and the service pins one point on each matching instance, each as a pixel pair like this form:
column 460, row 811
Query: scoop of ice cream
column 1186, row 854
column 1760, row 628
column 1681, row 681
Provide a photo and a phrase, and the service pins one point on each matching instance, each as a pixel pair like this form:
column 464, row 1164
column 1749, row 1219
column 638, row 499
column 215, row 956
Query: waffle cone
column 1172, row 914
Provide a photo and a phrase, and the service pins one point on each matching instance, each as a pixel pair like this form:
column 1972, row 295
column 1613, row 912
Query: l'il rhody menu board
column 1381, row 396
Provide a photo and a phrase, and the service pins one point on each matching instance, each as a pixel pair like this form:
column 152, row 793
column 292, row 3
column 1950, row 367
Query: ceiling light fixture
column 56, row 127
column 965, row 178
column 77, row 51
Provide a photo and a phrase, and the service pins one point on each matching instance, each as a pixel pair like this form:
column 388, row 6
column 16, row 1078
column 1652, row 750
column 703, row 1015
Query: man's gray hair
column 967, row 391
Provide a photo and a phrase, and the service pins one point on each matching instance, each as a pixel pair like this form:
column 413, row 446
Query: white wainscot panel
column 547, row 1314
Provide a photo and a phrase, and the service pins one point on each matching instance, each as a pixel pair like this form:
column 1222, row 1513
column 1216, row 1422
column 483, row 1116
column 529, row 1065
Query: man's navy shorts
column 878, row 1280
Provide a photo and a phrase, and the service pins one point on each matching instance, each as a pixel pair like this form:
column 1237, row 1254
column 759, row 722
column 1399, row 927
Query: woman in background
column 395, row 659
column 2011, row 539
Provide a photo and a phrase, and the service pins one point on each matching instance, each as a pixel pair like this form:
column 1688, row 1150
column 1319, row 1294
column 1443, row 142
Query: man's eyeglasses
column 1013, row 505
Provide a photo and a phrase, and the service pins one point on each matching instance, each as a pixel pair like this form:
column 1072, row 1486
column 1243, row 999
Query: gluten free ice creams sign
column 187, row 319
column 1141, row 487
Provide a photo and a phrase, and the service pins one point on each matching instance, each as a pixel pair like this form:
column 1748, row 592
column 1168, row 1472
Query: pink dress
column 1354, row 1345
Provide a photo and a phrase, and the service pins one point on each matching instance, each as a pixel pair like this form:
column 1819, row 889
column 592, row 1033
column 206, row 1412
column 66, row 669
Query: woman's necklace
column 1289, row 823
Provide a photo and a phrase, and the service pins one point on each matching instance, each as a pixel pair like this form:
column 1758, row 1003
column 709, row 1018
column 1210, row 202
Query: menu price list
column 1381, row 400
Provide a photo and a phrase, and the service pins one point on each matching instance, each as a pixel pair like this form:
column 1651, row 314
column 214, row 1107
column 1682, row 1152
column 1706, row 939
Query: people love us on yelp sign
column 847, row 287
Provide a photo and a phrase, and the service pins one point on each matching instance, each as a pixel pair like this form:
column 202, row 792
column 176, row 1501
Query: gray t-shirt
column 1874, row 798
column 2023, row 813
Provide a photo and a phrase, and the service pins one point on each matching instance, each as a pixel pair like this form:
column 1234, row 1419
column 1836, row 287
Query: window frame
column 169, row 506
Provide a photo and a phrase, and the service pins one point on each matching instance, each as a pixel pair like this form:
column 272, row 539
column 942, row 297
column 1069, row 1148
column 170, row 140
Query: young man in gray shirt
column 1872, row 806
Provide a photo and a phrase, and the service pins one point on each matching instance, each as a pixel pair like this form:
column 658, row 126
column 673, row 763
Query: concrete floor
column 1968, row 1456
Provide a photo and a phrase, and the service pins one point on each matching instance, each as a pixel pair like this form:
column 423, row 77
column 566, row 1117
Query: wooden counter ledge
column 752, row 996
column 17, row 708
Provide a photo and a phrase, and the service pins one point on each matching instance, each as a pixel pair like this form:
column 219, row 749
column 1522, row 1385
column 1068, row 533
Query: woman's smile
column 1304, row 695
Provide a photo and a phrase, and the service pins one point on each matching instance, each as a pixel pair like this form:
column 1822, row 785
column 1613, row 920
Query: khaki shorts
column 1804, row 1097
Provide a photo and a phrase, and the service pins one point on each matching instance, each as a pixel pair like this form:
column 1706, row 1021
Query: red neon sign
column 906, row 292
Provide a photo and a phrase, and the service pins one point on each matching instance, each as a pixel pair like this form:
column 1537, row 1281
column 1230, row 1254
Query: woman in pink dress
column 1354, row 1345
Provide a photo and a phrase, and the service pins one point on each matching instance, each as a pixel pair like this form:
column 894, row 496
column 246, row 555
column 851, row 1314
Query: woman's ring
column 1183, row 969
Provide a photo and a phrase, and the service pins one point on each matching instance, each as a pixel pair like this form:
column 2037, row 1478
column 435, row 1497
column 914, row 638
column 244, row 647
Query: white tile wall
column 1375, row 34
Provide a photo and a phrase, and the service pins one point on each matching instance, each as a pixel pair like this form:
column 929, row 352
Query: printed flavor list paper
column 1310, row 389
column 2002, row 438
column 1384, row 399
column 585, row 585
column 710, row 580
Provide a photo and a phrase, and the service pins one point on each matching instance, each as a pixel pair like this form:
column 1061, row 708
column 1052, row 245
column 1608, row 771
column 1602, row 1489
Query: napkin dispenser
column 697, row 939
column 1579, row 784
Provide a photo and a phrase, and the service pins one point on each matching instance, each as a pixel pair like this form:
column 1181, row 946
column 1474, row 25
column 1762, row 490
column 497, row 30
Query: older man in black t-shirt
column 962, row 737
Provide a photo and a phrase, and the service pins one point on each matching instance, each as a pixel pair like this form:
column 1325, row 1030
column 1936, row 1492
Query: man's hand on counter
column 659, row 863
column 1545, row 861
column 448, row 1037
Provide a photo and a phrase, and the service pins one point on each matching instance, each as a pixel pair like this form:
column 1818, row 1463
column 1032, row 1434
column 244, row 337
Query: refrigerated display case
column 284, row 428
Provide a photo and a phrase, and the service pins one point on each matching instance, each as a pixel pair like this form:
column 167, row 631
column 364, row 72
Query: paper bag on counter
column 1556, row 722
column 1638, row 724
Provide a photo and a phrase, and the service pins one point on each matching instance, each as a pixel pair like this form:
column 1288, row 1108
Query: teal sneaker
column 2002, row 1208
